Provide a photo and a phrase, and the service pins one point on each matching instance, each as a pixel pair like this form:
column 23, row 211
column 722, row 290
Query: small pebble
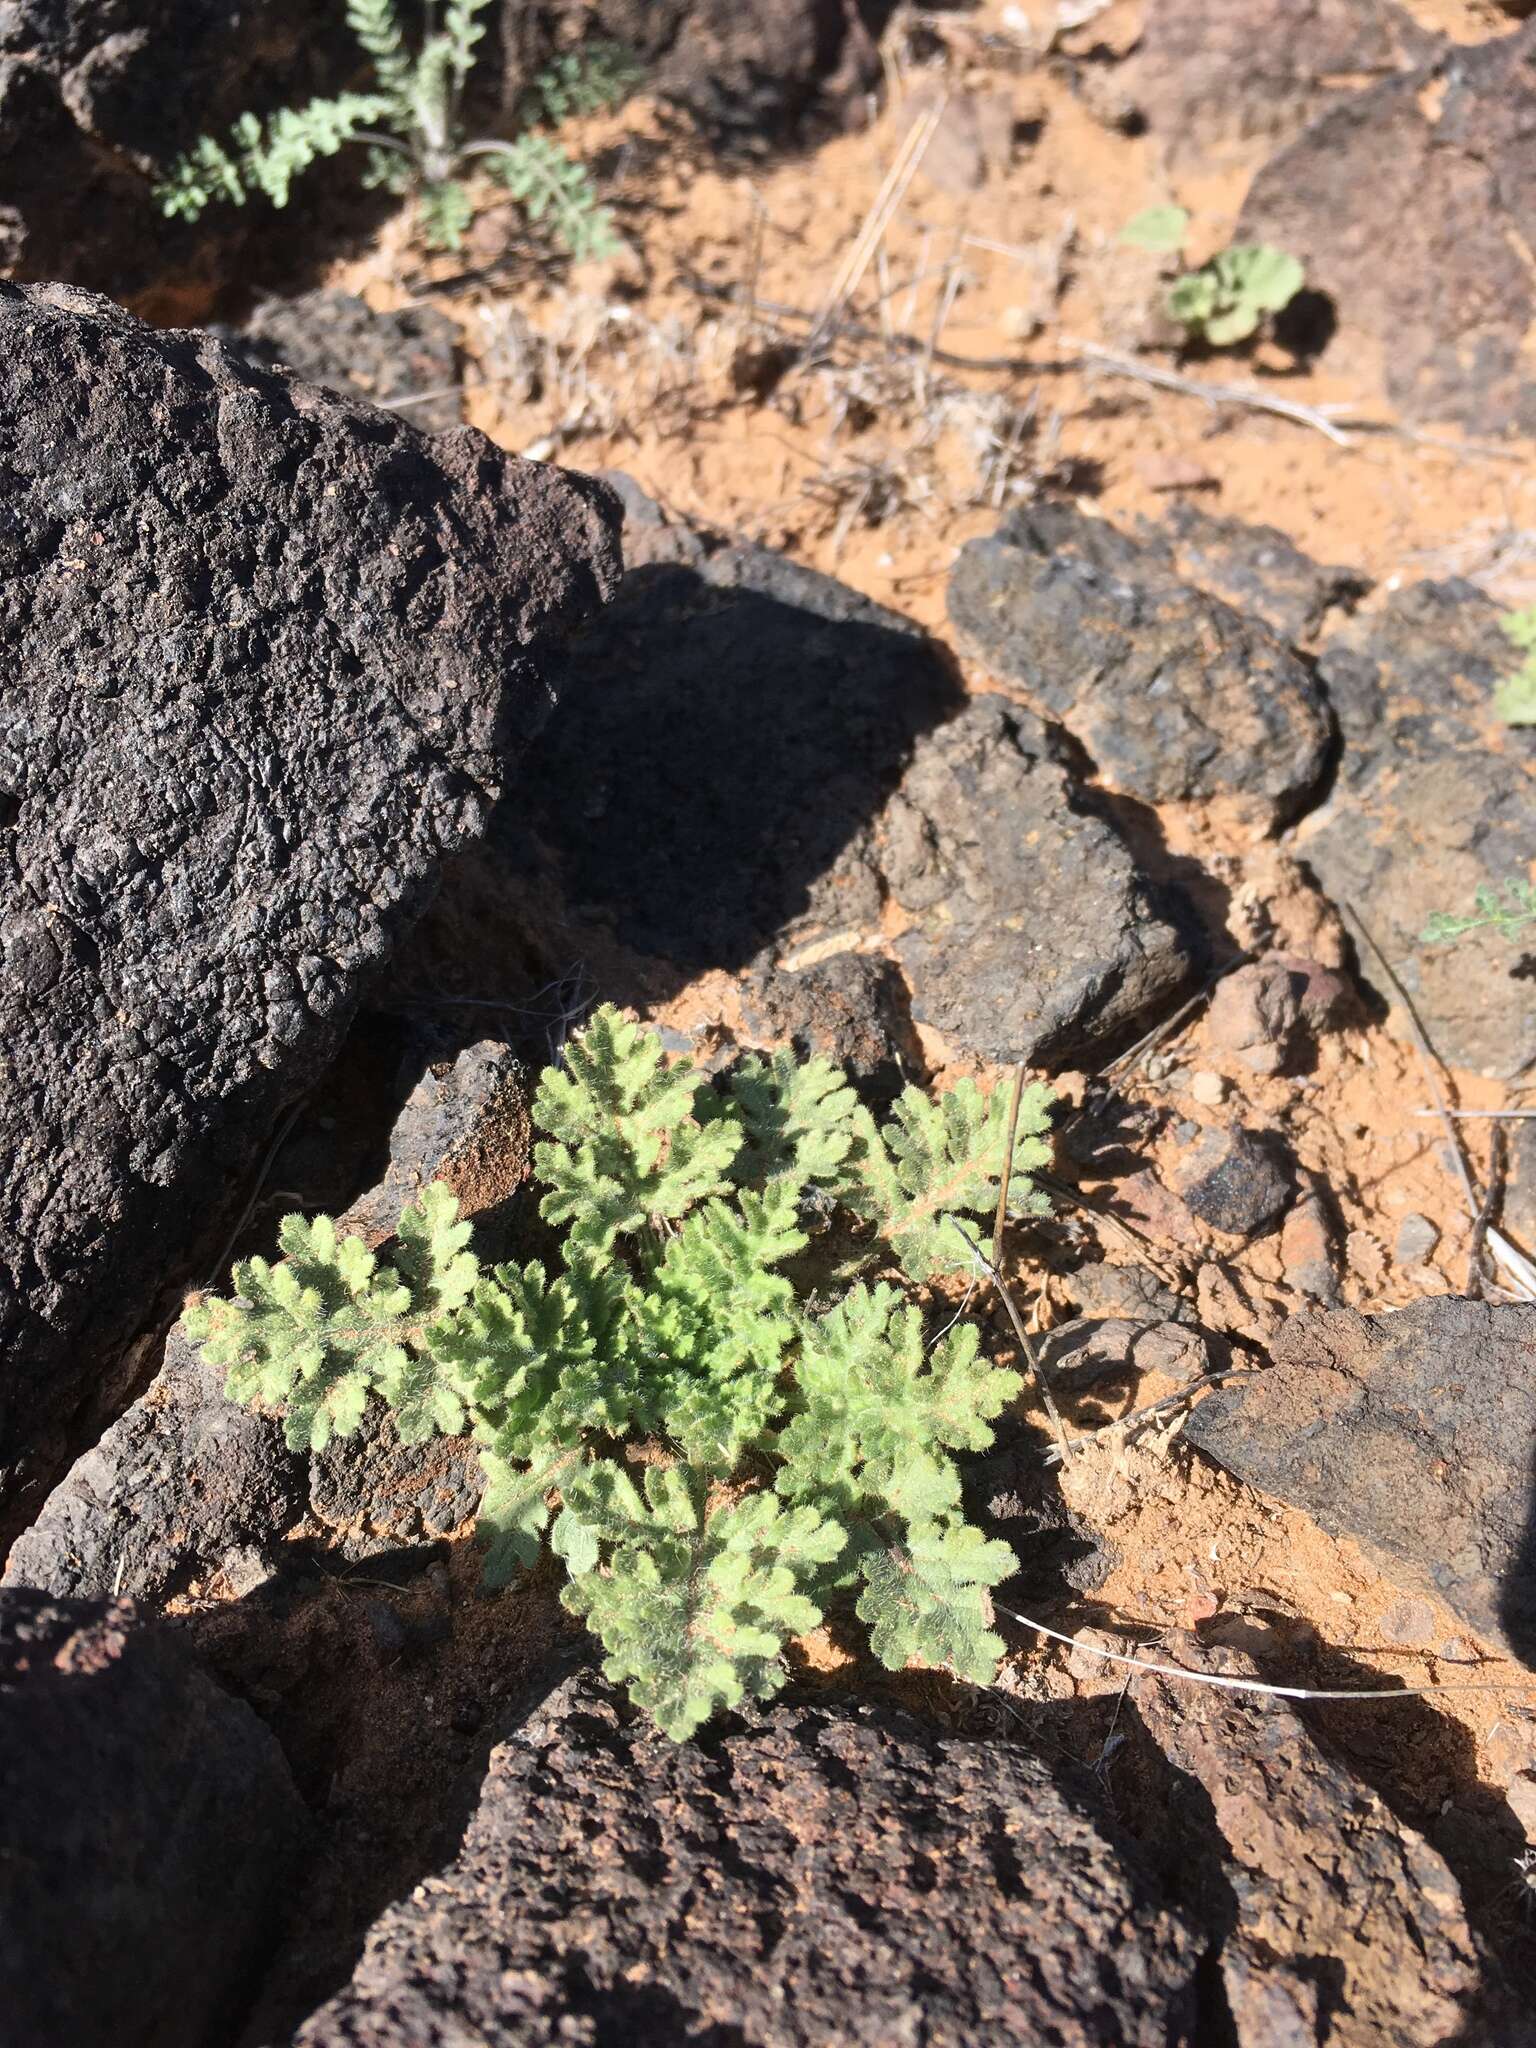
column 1522, row 1801
column 1209, row 1088
column 1408, row 1622
column 1416, row 1239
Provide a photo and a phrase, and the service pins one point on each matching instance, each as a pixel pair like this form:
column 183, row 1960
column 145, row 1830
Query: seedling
column 410, row 125
column 1506, row 909
column 734, row 1402
column 1227, row 299
column 1515, row 698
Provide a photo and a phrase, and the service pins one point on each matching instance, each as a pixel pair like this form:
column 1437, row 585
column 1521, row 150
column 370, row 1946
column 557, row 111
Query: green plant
column 1159, row 228
column 410, row 126
column 1514, row 700
column 1225, row 300
column 722, row 1408
column 1505, row 909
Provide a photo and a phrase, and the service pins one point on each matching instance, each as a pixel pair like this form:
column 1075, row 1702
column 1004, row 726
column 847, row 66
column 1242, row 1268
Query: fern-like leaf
column 552, row 187
column 515, row 1512
column 697, row 1601
column 926, row 1600
column 376, row 25
column 879, row 1412
column 584, row 81
column 627, row 1148
column 938, row 1161
column 797, row 1119
column 315, row 1333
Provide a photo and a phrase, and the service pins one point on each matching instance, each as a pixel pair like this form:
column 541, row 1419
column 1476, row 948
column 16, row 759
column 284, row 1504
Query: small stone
column 1416, row 1239
column 1256, row 1013
column 1209, row 1088
column 1410, row 1622
column 1236, row 1180
column 1522, row 1800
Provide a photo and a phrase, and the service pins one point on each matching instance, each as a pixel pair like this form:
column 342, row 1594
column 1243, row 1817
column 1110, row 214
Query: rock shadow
column 727, row 731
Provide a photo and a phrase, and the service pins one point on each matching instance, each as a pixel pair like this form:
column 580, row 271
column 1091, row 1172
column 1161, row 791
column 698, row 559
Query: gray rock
column 851, row 1009
column 726, row 732
column 1258, row 1826
column 1033, row 935
column 1173, row 694
column 1411, row 1433
column 1428, row 173
column 335, row 339
column 1416, row 1239
column 268, row 655
column 187, row 1483
column 822, row 1876
column 1209, row 73
column 148, row 1832
column 1258, row 570
column 1236, row 1180
column 1433, row 800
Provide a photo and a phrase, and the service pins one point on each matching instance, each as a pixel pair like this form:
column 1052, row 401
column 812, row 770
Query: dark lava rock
column 148, row 1826
column 1413, row 1434
column 268, row 654
column 1214, row 72
column 726, row 731
column 851, row 1009
column 1434, row 798
column 743, row 73
column 87, row 120
column 821, row 1877
column 187, row 1483
column 1033, row 934
column 1257, row 570
column 1275, row 1847
column 1172, row 693
column 183, row 1483
column 1236, row 1180
column 334, row 339
column 1427, row 174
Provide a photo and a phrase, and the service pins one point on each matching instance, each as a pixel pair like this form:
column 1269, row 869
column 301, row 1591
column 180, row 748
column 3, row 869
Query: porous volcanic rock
column 1172, row 693
column 187, row 1484
column 727, row 730
column 1032, row 933
column 1258, row 570
column 824, row 1876
column 148, row 1831
column 1434, row 798
column 1412, row 1433
column 1429, row 173
column 1208, row 73
column 1275, row 1847
column 268, row 655
column 336, row 339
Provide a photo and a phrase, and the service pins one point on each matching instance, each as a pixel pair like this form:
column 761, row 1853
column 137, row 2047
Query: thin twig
column 1469, row 1116
column 1031, row 1356
column 1140, row 1415
column 1484, row 1217
column 887, row 203
column 1247, row 395
column 257, row 1185
column 1015, row 1098
column 1258, row 1685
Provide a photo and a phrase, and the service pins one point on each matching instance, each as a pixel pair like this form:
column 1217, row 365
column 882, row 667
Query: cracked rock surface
column 1268, row 1841
column 268, row 653
column 1172, row 693
column 1414, row 1434
column 1434, row 799
column 823, row 1876
column 1428, row 173
column 1032, row 934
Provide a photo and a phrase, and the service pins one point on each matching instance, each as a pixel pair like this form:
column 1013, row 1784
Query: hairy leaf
column 926, row 1599
column 937, row 1162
